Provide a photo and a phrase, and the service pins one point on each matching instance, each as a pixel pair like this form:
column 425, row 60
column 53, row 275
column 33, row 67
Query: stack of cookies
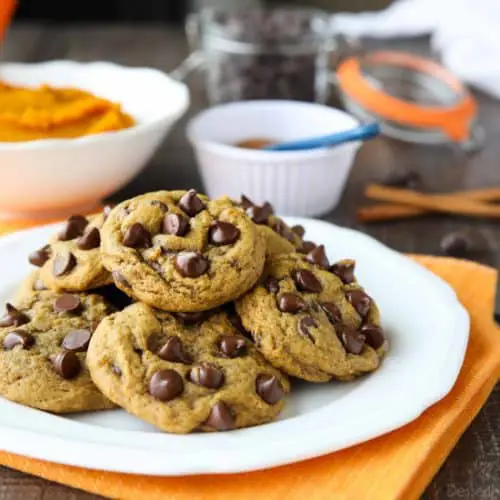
column 187, row 312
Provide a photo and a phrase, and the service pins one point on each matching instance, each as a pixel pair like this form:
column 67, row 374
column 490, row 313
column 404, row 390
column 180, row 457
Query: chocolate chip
column 291, row 303
column 374, row 335
column 409, row 180
column 272, row 284
column 232, row 346
column 39, row 285
column 73, row 227
column 18, row 338
column 299, row 230
column 457, row 244
column 283, row 230
column 166, row 385
column 137, row 236
column 120, row 280
column 106, row 211
column 116, row 370
column 304, row 325
column 39, row 257
column 175, row 224
column 173, row 350
column 191, row 203
column 89, row 240
column 344, row 271
column 223, row 233
column 191, row 264
column 360, row 301
column 206, row 375
column 13, row 317
column 67, row 303
column 318, row 257
column 221, row 417
column 63, row 264
column 260, row 215
column 269, row 388
column 191, row 318
column 306, row 281
column 66, row 364
column 307, row 247
column 353, row 341
column 77, row 340
column 246, row 202
column 160, row 205
column 332, row 312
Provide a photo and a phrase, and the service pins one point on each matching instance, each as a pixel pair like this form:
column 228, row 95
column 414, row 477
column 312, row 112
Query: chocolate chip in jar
column 283, row 51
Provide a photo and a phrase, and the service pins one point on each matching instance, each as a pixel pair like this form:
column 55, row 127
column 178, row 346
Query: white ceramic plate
column 428, row 331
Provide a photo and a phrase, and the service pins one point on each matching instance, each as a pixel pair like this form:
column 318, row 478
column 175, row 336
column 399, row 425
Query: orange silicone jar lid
column 453, row 119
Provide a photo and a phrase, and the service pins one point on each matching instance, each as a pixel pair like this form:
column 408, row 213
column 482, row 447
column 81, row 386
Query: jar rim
column 213, row 29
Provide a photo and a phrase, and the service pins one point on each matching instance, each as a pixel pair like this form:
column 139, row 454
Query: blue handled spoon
column 360, row 133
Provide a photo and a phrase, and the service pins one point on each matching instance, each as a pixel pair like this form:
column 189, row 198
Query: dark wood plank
column 472, row 470
column 23, row 43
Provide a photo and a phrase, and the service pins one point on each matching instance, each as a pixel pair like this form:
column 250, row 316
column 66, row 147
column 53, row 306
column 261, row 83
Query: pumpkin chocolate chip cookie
column 72, row 259
column 184, row 372
column 177, row 251
column 312, row 319
column 31, row 285
column 43, row 343
column 280, row 238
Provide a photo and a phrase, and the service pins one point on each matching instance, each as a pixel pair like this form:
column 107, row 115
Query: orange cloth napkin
column 398, row 465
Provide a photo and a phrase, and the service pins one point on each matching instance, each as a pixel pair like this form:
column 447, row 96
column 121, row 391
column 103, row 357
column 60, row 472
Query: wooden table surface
column 473, row 469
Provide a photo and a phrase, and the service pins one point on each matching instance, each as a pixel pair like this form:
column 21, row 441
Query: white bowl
column 295, row 182
column 54, row 176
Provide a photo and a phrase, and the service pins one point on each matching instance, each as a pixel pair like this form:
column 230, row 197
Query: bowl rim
column 182, row 105
column 229, row 150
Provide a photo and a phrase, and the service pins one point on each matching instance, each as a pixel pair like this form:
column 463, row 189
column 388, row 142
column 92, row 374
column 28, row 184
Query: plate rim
column 146, row 460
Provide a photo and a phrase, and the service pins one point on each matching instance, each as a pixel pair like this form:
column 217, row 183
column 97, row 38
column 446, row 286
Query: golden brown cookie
column 184, row 372
column 33, row 285
column 43, row 343
column 313, row 320
column 177, row 251
column 71, row 261
column 30, row 286
column 280, row 238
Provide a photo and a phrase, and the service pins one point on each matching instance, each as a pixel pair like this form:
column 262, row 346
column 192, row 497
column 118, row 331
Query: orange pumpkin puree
column 28, row 114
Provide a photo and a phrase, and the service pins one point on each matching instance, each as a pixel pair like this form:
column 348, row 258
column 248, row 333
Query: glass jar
column 276, row 53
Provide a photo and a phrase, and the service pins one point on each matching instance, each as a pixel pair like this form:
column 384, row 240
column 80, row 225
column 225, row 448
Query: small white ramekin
column 295, row 182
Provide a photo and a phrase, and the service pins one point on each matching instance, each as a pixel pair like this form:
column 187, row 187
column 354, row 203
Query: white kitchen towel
column 466, row 34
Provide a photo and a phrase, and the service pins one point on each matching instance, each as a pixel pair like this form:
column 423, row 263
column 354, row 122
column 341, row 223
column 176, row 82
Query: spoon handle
column 361, row 133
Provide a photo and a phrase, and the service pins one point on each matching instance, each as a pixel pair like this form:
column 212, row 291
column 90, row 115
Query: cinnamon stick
column 392, row 211
column 439, row 203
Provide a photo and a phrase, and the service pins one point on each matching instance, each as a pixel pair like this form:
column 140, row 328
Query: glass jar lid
column 414, row 98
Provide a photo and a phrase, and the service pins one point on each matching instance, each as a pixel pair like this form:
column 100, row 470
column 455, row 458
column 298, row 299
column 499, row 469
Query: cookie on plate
column 43, row 343
column 71, row 261
column 313, row 320
column 177, row 251
column 280, row 238
column 31, row 285
column 184, row 372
